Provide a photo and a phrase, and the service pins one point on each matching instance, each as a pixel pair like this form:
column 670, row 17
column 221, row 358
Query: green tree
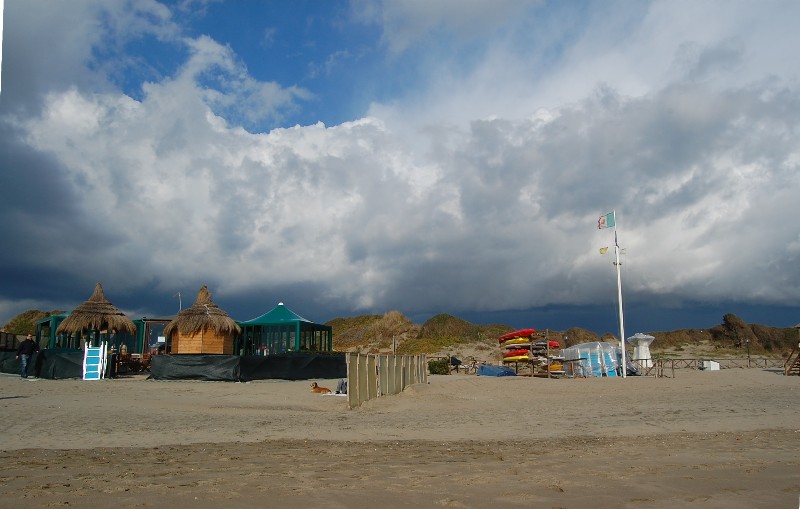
column 25, row 322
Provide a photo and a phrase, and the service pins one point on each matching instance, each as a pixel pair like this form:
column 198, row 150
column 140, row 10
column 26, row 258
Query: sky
column 357, row 157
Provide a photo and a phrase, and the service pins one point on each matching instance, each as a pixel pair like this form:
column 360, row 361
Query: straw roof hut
column 96, row 314
column 202, row 328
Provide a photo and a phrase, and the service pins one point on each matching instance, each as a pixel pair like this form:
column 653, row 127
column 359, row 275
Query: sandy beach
column 702, row 439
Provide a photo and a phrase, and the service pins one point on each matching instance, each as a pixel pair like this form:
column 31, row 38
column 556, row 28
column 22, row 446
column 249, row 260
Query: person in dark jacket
column 24, row 353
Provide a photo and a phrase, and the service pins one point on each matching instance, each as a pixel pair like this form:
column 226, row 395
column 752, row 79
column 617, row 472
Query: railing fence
column 660, row 367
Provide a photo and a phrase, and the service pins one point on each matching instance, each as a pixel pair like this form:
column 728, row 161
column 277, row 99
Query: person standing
column 24, row 353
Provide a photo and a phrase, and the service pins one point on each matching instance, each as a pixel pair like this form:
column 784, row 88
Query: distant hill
column 372, row 333
column 444, row 333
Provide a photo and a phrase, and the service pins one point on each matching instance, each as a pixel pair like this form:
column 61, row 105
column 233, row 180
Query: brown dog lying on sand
column 319, row 390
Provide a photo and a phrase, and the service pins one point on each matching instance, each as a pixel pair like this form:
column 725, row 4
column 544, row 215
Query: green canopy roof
column 49, row 319
column 279, row 315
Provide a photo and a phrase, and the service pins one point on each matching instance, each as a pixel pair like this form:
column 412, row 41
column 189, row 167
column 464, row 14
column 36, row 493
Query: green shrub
column 439, row 366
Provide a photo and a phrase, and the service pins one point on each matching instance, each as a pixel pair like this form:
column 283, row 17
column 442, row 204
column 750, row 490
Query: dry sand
column 702, row 439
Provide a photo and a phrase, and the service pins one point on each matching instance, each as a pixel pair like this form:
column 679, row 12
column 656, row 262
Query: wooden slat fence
column 372, row 376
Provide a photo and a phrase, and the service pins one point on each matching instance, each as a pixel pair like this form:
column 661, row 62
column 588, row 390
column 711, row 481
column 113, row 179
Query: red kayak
column 522, row 333
column 514, row 353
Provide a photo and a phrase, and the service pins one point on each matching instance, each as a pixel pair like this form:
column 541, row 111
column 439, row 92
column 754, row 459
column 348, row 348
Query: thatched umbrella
column 202, row 328
column 96, row 314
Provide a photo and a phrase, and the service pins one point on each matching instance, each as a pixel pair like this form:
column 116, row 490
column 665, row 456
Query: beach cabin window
column 154, row 334
column 286, row 345
column 258, row 342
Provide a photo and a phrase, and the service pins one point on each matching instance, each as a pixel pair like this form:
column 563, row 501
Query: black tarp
column 290, row 366
column 55, row 364
column 10, row 364
column 293, row 366
column 64, row 363
column 48, row 363
column 195, row 367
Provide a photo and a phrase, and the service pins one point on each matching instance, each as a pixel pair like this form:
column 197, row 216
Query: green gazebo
column 282, row 330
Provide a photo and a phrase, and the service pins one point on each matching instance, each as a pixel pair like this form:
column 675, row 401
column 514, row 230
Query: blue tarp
column 487, row 370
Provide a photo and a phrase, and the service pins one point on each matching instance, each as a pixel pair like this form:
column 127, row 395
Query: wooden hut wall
column 204, row 341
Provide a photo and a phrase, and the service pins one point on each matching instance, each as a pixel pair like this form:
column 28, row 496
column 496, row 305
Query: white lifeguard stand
column 641, row 349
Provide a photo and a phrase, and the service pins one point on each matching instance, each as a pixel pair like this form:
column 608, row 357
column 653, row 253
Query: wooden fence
column 661, row 367
column 372, row 376
column 9, row 342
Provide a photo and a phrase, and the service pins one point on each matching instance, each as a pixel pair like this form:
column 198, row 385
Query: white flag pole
column 2, row 8
column 619, row 299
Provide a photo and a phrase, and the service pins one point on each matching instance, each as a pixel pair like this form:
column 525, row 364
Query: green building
column 281, row 330
column 149, row 336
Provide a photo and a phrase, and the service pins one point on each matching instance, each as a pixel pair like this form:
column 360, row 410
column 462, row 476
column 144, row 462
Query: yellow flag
column 603, row 250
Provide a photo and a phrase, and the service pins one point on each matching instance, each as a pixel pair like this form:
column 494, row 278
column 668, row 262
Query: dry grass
column 372, row 333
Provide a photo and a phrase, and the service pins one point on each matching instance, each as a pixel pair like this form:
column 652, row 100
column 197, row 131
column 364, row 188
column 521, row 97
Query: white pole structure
column 610, row 221
column 2, row 8
column 619, row 298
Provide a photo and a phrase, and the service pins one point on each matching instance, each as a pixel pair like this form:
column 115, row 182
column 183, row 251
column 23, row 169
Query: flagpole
column 2, row 8
column 619, row 299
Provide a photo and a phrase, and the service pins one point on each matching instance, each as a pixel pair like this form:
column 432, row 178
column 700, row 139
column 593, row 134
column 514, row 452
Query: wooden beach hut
column 95, row 319
column 202, row 328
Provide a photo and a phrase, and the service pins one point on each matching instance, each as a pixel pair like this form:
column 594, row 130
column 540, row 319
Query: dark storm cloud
column 477, row 193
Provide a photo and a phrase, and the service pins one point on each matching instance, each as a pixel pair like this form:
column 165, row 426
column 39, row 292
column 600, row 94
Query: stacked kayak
column 518, row 354
column 524, row 346
column 517, row 345
column 522, row 334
